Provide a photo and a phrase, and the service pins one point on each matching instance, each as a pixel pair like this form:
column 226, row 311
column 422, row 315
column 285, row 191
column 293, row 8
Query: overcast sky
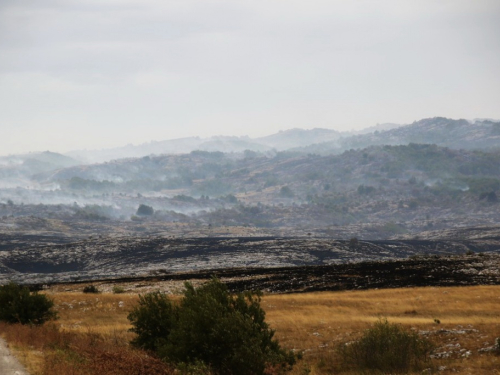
column 91, row 74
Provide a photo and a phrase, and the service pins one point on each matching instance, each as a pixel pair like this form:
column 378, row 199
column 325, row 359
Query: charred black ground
column 271, row 264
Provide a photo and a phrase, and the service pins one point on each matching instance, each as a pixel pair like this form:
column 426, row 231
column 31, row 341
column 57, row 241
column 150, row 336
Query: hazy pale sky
column 103, row 73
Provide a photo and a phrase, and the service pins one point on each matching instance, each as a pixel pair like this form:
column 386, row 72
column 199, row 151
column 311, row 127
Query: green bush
column 90, row 289
column 145, row 210
column 227, row 334
column 152, row 321
column 286, row 192
column 118, row 289
column 386, row 348
column 19, row 305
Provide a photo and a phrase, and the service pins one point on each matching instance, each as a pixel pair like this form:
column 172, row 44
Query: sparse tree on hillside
column 144, row 210
column 353, row 243
column 286, row 192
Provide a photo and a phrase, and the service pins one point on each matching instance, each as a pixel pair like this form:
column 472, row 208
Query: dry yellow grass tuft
column 91, row 335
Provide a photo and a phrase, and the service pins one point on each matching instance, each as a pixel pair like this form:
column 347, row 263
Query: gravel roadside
column 9, row 365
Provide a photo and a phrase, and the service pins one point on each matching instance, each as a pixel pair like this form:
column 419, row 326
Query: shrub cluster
column 209, row 328
column 118, row 289
column 19, row 305
column 90, row 289
column 387, row 348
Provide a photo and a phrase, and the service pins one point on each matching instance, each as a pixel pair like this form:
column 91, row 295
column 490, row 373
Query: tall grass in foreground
column 312, row 323
column 71, row 353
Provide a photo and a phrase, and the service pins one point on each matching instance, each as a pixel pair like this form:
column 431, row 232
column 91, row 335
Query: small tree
column 286, row 192
column 145, row 210
column 19, row 305
column 225, row 333
column 353, row 243
column 91, row 289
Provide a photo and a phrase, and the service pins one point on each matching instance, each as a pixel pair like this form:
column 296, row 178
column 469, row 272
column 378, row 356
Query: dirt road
column 8, row 363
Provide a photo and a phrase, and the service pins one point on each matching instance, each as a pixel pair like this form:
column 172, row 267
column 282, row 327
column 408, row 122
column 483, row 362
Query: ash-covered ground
column 269, row 263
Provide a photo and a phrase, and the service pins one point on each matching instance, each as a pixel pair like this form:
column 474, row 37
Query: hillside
column 377, row 192
column 280, row 141
column 105, row 258
column 457, row 134
column 17, row 170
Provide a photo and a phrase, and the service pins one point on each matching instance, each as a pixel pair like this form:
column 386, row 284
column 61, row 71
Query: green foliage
column 490, row 197
column 184, row 198
column 19, row 305
column 118, row 289
column 144, row 210
column 209, row 327
column 230, row 198
column 78, row 183
column 286, row 192
column 90, row 289
column 386, row 348
column 94, row 212
column 153, row 321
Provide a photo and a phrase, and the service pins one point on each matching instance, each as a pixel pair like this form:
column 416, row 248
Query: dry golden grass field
column 91, row 336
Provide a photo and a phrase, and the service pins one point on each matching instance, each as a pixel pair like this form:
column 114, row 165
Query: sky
column 92, row 74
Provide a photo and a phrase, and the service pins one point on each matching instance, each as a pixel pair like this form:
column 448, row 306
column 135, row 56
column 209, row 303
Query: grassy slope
column 96, row 328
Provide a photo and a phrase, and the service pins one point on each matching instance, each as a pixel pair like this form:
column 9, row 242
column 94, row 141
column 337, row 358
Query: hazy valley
column 377, row 185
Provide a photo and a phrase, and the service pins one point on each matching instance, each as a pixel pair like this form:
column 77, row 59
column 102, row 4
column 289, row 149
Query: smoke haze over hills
column 102, row 74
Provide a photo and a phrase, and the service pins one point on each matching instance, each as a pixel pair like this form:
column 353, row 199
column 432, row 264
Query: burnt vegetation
column 299, row 211
column 346, row 186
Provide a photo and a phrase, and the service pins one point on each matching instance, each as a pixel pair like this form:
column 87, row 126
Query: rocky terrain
column 432, row 270
column 120, row 257
column 428, row 188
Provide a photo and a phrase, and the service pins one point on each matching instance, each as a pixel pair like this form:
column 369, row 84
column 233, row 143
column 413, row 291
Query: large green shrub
column 19, row 305
column 209, row 326
column 145, row 210
column 386, row 348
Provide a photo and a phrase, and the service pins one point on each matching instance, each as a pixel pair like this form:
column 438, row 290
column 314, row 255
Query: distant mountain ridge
column 465, row 134
column 475, row 134
column 441, row 131
column 293, row 138
column 16, row 169
column 280, row 141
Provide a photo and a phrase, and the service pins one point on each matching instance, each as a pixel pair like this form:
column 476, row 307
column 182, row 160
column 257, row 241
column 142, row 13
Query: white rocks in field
column 469, row 271
column 440, row 355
